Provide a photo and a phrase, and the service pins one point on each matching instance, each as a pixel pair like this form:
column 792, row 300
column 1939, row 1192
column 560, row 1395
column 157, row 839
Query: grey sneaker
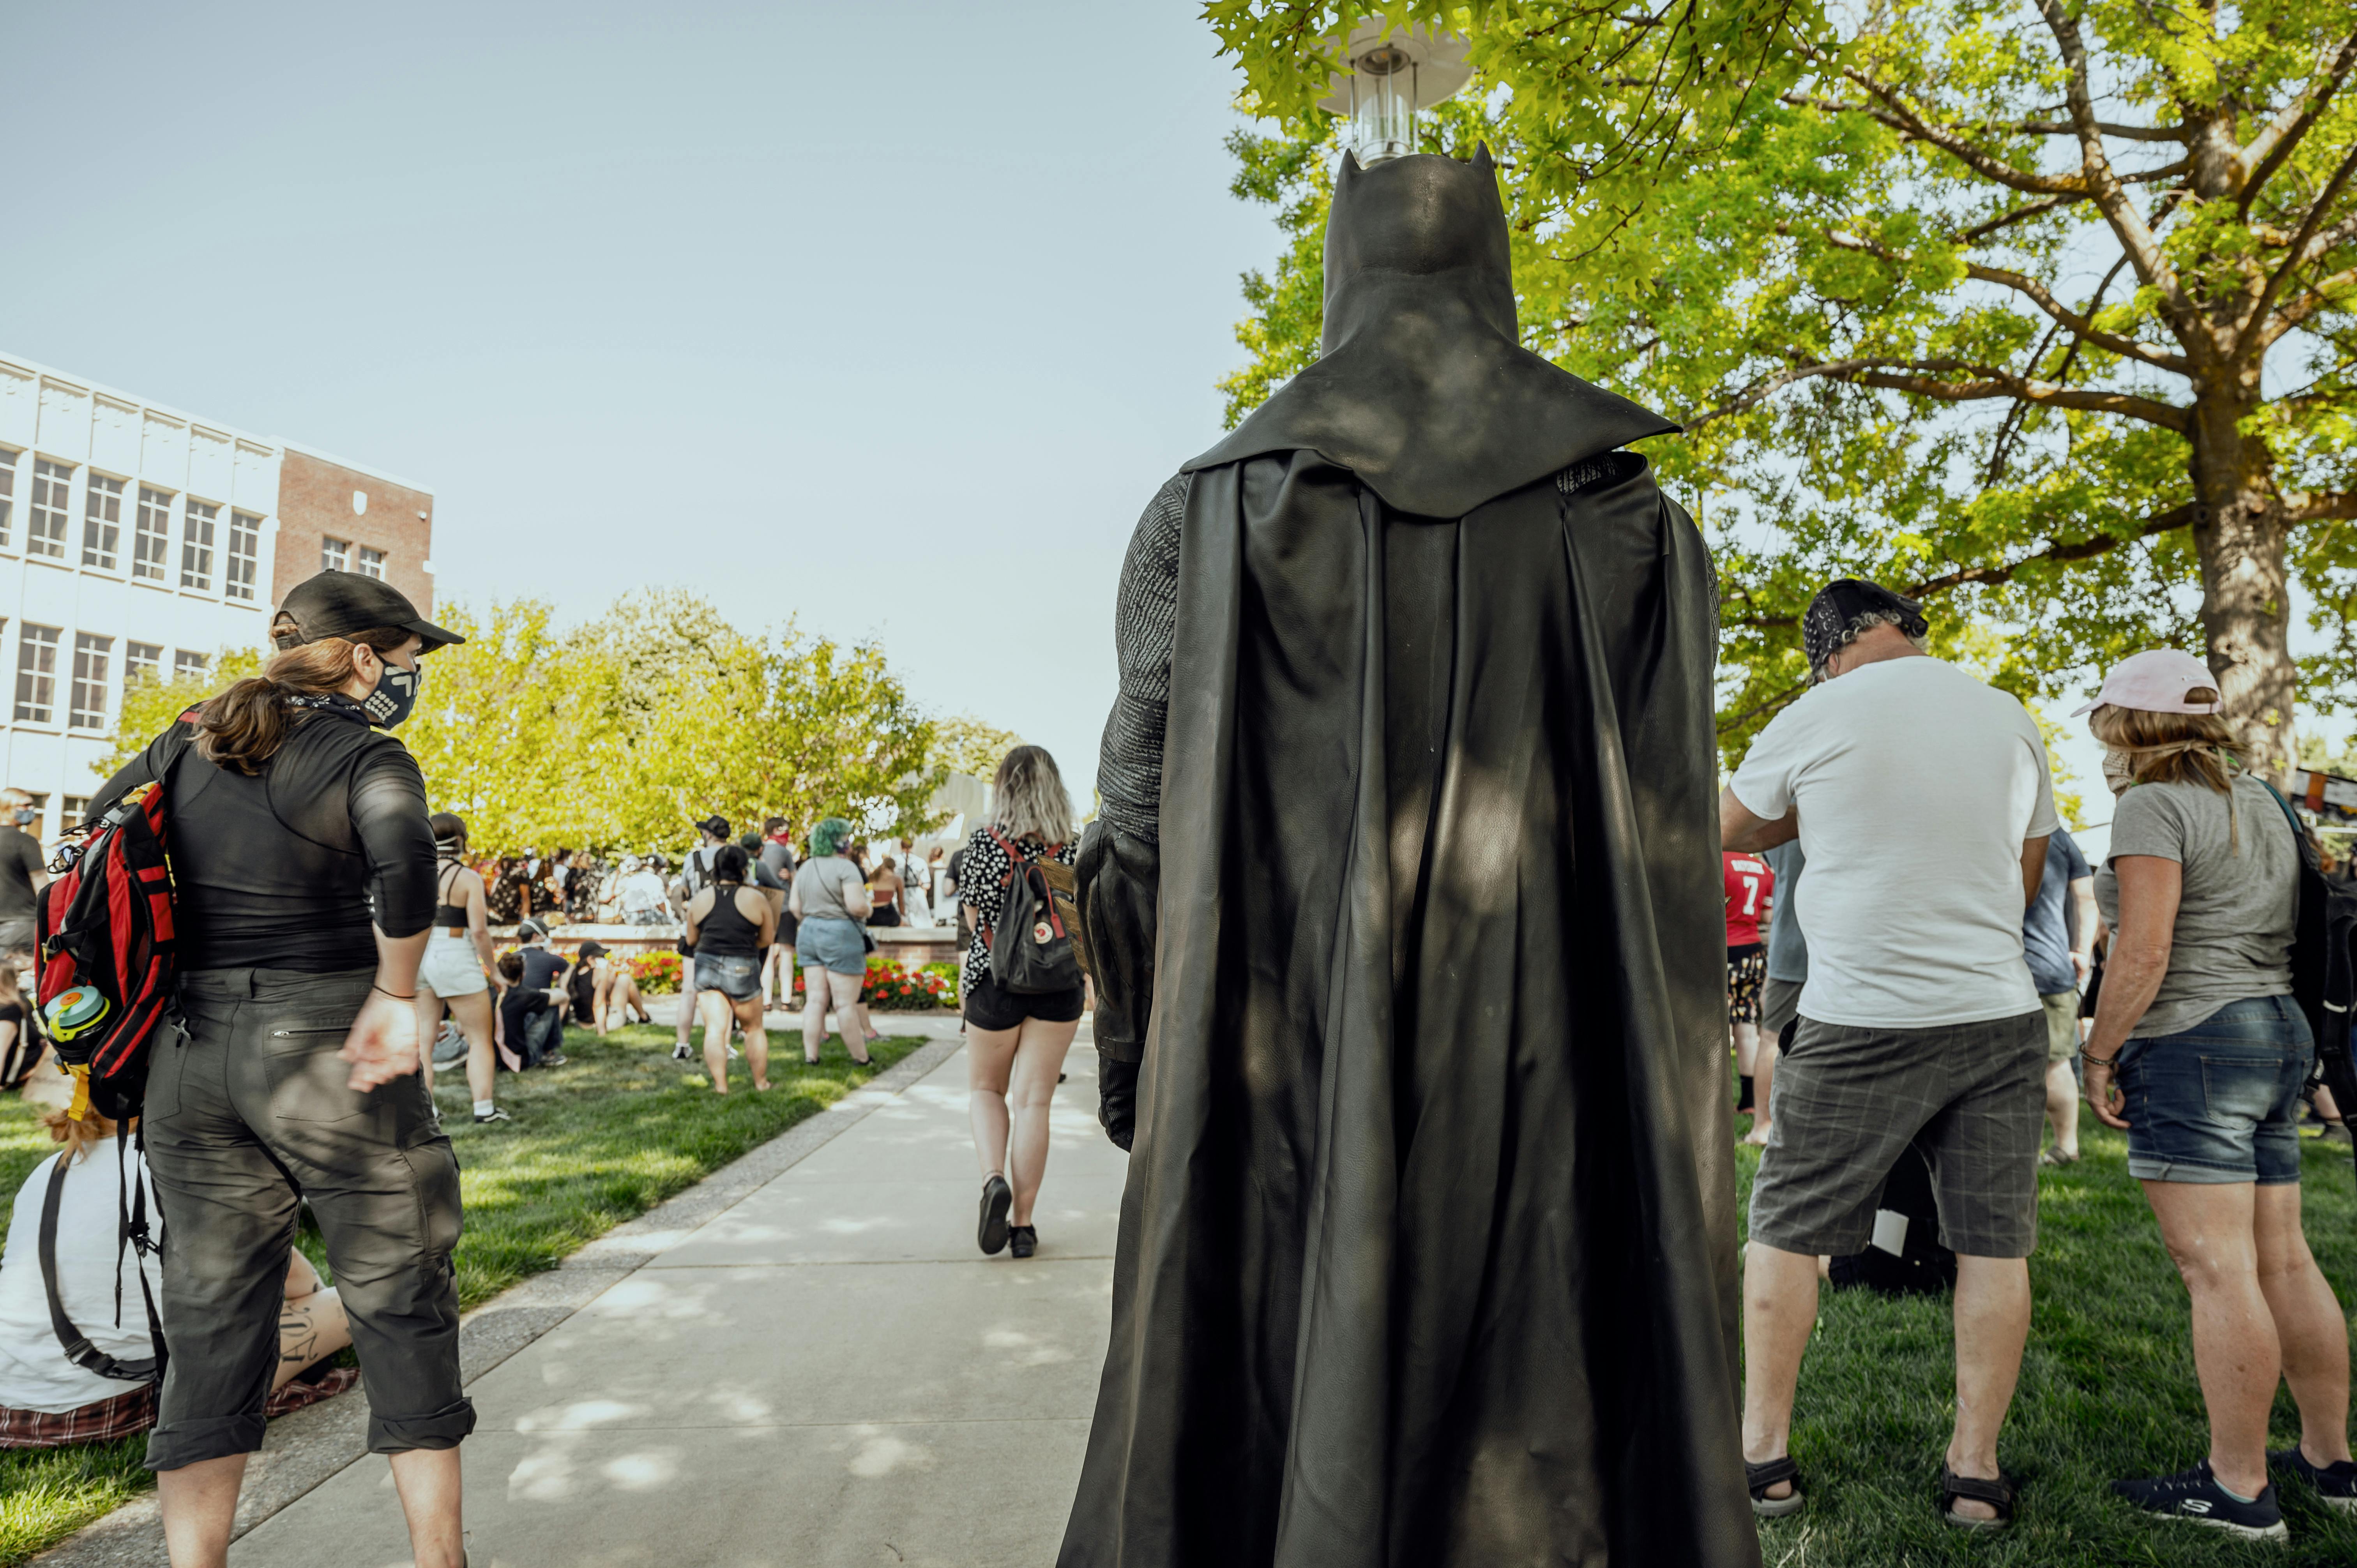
column 493, row 1115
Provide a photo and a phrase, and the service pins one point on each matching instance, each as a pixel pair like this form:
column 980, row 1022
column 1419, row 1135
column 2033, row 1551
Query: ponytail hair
column 245, row 726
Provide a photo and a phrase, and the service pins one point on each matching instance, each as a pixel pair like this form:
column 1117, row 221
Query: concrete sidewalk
column 826, row 1372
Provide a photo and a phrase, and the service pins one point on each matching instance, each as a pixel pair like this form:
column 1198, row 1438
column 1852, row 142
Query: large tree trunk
column 2245, row 589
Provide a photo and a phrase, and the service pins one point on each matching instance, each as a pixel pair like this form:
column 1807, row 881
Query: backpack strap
column 76, row 1344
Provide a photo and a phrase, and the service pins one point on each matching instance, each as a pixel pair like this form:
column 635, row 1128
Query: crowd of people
column 1928, row 1000
column 1926, row 977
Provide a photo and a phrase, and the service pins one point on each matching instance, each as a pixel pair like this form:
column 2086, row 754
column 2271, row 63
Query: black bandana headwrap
column 1832, row 622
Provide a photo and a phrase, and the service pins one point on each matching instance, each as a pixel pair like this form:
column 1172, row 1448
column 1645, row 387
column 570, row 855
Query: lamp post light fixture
column 1391, row 73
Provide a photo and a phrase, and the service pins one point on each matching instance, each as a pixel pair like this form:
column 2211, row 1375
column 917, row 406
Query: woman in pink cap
column 2199, row 1054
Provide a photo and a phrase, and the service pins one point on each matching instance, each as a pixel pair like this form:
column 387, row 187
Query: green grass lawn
column 2107, row 1387
column 603, row 1139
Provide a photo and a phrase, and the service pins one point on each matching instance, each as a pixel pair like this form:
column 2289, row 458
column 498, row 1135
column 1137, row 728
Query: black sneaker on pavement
column 990, row 1232
column 2196, row 1496
column 2335, row 1484
column 493, row 1115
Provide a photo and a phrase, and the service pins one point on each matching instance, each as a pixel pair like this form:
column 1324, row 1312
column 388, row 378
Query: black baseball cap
column 338, row 604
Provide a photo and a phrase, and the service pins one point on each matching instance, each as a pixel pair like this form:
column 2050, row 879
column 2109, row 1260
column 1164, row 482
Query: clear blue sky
column 888, row 318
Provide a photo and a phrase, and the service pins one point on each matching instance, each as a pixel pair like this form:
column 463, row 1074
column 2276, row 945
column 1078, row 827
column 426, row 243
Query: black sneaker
column 1022, row 1240
column 2335, row 1484
column 679, row 1052
column 997, row 1198
column 554, row 1058
column 493, row 1115
column 2196, row 1496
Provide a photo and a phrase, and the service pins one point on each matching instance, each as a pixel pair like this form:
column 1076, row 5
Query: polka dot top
column 982, row 884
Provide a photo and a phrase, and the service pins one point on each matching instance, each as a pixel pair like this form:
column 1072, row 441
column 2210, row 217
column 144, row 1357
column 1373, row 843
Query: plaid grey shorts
column 1847, row 1101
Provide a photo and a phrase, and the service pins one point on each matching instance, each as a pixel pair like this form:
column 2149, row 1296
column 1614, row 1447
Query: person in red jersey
column 1751, row 885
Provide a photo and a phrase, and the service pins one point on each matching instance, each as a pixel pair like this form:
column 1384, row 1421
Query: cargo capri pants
column 246, row 1114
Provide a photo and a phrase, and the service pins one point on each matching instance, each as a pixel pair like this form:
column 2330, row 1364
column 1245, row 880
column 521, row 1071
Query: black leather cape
column 1428, row 1248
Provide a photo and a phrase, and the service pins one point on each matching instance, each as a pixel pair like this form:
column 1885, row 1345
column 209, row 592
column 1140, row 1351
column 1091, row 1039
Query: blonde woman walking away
column 451, row 976
column 1014, row 1041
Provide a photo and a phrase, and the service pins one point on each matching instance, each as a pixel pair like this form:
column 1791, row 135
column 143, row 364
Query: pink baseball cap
column 2155, row 681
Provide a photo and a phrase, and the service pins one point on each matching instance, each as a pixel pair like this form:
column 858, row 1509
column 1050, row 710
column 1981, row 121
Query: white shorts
column 452, row 967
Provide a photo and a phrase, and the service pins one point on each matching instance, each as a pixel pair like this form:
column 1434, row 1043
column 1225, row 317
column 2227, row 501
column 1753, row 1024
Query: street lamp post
column 1390, row 74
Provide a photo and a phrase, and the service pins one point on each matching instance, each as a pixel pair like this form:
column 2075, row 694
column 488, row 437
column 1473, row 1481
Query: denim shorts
column 735, row 976
column 832, row 944
column 2220, row 1102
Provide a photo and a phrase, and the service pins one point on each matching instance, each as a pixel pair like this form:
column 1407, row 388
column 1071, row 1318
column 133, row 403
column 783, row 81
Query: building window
column 372, row 563
column 37, row 675
column 72, row 808
column 7, row 492
column 141, row 662
column 46, row 530
column 102, row 522
column 245, row 554
column 92, row 655
column 335, row 555
column 151, row 548
column 197, row 546
column 186, row 664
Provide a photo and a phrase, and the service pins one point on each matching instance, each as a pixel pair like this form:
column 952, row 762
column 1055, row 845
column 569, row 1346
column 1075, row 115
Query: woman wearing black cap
column 303, row 873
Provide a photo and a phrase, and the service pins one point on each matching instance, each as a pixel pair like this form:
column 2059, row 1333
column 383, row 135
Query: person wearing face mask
column 22, row 874
column 2199, row 1054
column 304, row 871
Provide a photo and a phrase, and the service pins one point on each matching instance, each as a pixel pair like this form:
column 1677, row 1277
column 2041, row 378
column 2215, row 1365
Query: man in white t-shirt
column 1921, row 801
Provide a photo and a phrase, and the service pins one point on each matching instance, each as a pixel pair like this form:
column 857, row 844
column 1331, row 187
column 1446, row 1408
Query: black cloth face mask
column 394, row 695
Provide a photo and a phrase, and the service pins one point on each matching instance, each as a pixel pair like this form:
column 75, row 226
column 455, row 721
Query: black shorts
column 987, row 1006
column 788, row 928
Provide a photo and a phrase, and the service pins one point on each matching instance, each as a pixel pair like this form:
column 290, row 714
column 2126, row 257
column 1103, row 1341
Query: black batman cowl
column 1424, row 389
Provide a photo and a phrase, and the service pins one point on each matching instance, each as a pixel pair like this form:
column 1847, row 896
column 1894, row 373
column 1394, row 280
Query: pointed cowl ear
column 1482, row 160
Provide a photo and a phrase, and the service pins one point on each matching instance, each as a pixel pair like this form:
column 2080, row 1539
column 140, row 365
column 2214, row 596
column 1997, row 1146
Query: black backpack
column 2323, row 965
column 1033, row 947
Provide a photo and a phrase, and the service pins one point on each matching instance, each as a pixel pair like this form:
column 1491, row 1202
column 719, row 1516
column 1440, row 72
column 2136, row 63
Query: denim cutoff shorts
column 832, row 944
column 733, row 975
column 2220, row 1102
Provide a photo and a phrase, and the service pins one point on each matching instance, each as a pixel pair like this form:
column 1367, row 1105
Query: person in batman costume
column 1404, row 910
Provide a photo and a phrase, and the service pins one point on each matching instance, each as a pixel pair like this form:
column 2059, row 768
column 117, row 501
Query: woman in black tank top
column 452, row 975
column 730, row 926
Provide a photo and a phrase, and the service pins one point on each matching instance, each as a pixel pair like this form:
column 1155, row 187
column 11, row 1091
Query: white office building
column 137, row 539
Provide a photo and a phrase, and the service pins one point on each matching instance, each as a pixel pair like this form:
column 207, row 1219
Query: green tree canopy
column 624, row 732
column 2039, row 308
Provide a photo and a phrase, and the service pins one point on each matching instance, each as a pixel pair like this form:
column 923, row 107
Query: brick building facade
column 330, row 514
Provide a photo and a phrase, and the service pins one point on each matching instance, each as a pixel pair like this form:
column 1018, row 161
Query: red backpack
column 107, row 959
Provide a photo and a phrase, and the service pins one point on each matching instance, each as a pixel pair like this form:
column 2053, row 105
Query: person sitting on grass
column 615, row 999
column 523, row 1009
column 48, row 1400
column 543, row 970
column 730, row 926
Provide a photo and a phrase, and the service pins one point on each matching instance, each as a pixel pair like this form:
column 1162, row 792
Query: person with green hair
column 830, row 901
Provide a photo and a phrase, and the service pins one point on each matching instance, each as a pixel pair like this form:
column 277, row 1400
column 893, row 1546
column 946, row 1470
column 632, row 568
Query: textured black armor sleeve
column 1129, row 762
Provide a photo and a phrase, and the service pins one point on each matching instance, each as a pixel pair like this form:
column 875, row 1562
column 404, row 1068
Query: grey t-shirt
column 821, row 882
column 2234, row 919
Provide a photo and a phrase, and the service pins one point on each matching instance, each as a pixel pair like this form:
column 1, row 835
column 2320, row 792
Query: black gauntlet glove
column 1118, row 1099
